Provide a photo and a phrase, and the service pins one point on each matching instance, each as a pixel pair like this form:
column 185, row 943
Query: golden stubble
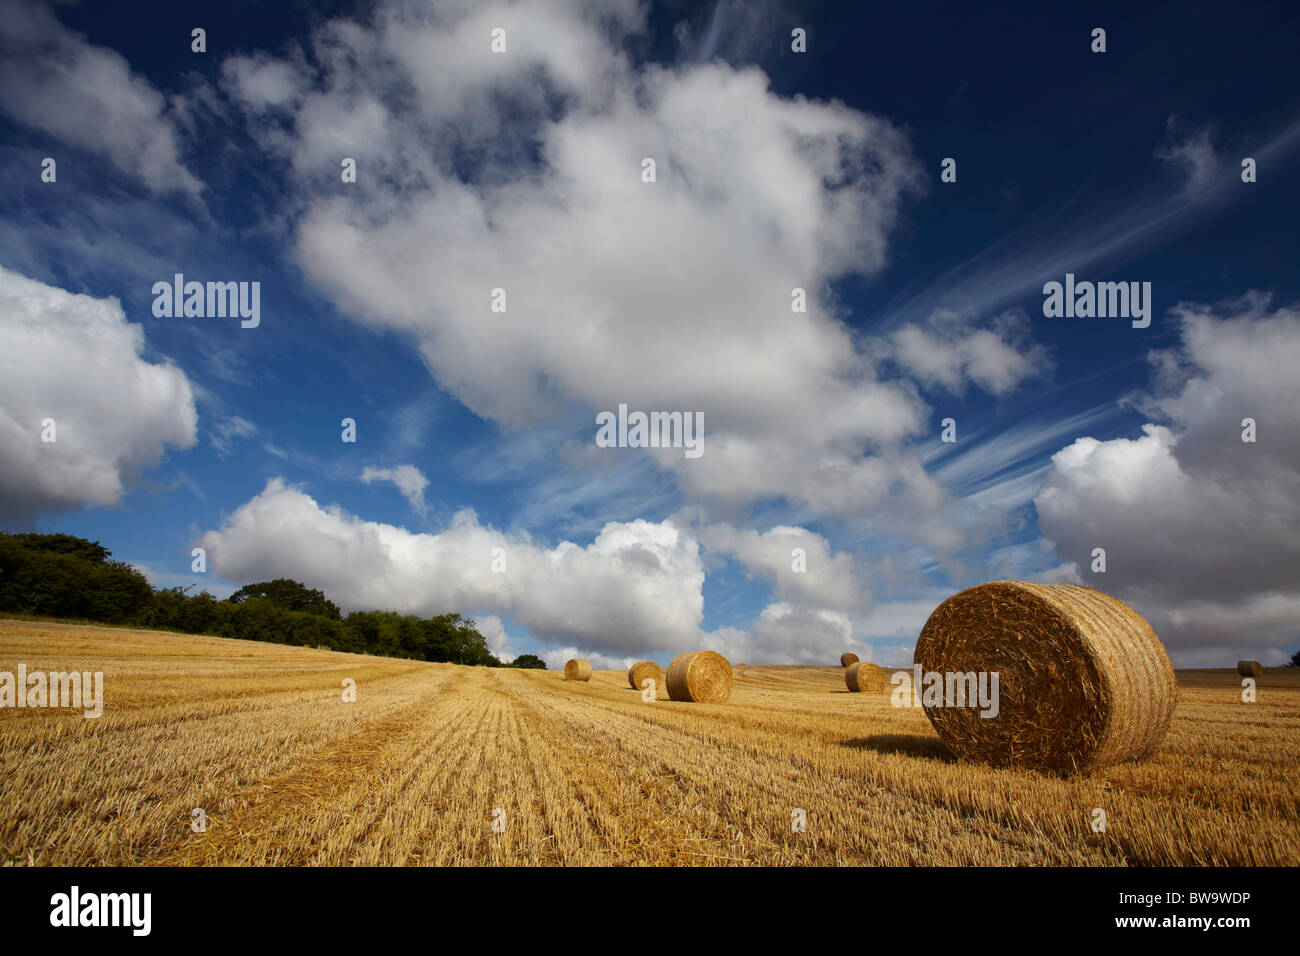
column 417, row 769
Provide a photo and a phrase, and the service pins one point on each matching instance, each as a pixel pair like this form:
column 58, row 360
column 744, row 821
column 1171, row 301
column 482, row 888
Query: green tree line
column 58, row 575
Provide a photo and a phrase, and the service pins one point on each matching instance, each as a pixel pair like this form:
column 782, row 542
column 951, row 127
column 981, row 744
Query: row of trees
column 58, row 575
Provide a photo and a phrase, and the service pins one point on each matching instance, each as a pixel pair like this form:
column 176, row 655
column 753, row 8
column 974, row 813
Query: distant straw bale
column 864, row 676
column 577, row 669
column 700, row 676
column 643, row 669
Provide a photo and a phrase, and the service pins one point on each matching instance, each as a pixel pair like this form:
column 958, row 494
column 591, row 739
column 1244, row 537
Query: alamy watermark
column 1102, row 300
column 78, row 690
column 74, row 908
column 213, row 300
column 947, row 689
column 651, row 430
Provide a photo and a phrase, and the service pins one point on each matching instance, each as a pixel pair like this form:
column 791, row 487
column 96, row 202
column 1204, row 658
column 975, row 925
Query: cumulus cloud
column 1201, row 529
column 494, row 633
column 607, row 298
column 555, row 659
column 410, row 481
column 637, row 586
column 789, row 634
column 75, row 359
column 947, row 352
column 86, row 95
column 828, row 580
column 636, row 589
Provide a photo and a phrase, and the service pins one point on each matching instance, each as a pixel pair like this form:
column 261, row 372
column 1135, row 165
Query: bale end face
column 577, row 669
column 700, row 676
column 1250, row 668
column 641, row 670
column 1082, row 680
column 865, row 677
column 848, row 659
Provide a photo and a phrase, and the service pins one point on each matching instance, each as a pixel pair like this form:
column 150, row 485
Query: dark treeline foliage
column 289, row 595
column 62, row 576
column 57, row 575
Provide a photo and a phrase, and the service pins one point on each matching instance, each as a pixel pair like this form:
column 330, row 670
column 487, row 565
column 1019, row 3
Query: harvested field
column 287, row 773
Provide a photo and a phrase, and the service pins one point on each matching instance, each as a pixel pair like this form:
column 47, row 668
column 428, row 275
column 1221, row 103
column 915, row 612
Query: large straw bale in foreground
column 863, row 676
column 643, row 669
column 700, row 676
column 1083, row 680
column 1250, row 668
column 577, row 669
column 848, row 659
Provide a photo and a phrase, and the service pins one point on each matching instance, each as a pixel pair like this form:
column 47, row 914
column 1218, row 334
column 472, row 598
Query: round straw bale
column 1083, row 681
column 865, row 676
column 1250, row 668
column 577, row 669
column 700, row 676
column 643, row 669
column 848, row 659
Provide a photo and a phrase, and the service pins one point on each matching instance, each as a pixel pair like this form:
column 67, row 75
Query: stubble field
column 417, row 769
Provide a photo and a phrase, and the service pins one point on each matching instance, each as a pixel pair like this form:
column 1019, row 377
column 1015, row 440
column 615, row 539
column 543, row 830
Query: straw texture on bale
column 643, row 669
column 700, row 676
column 865, row 676
column 848, row 659
column 1250, row 668
column 577, row 669
column 1083, row 680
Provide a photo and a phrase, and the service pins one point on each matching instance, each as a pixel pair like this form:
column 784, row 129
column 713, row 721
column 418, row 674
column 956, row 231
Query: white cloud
column 636, row 590
column 555, row 659
column 1201, row 530
column 946, row 352
column 828, row 582
column 77, row 360
column 410, row 481
column 609, row 296
column 637, row 585
column 86, row 95
column 498, row 642
column 264, row 83
column 788, row 634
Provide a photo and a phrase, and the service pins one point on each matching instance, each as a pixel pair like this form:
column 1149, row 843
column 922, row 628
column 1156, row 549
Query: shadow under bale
column 911, row 744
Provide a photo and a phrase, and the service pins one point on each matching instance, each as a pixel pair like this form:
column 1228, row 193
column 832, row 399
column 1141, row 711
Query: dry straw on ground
column 577, row 669
column 409, row 774
column 700, row 676
column 866, row 677
column 847, row 659
column 1083, row 680
column 1250, row 668
column 643, row 669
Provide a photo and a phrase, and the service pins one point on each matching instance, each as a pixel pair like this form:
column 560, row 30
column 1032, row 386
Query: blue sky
column 775, row 169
